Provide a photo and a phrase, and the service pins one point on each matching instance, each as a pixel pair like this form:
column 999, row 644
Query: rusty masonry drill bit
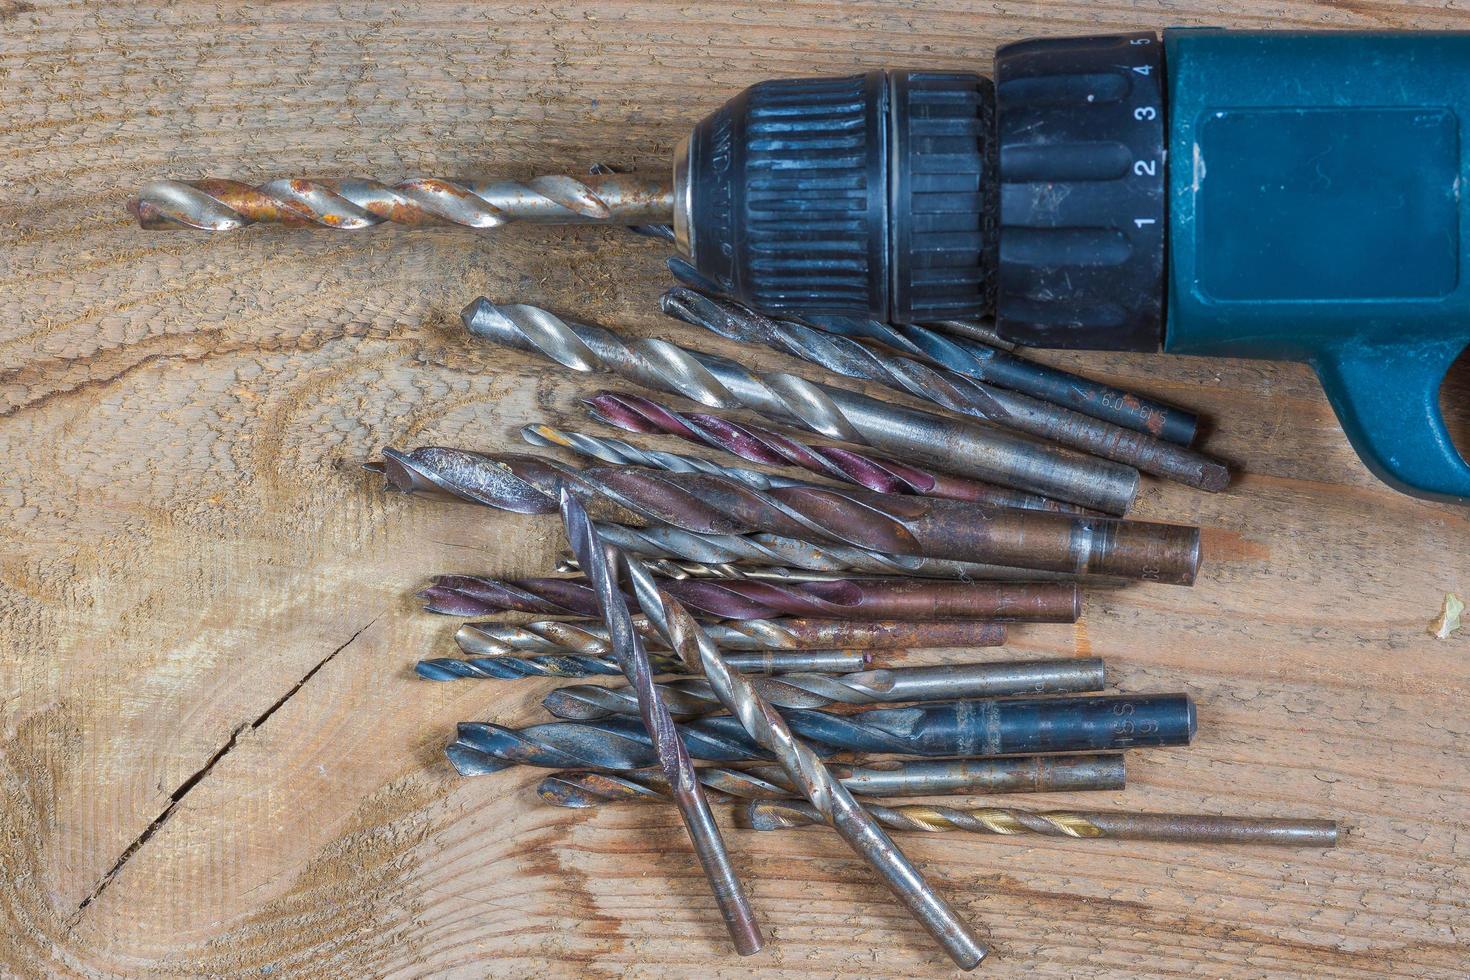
column 969, row 729
column 981, row 451
column 981, row 355
column 1179, row 828
column 770, row 731
column 508, row 666
column 742, row 555
column 880, row 522
column 952, row 391
column 766, row 636
column 875, row 598
column 761, row 445
column 355, row 203
column 673, row 759
column 923, row 777
column 661, row 232
column 692, row 696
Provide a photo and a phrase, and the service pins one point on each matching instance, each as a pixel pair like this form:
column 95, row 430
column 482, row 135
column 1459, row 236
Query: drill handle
column 1387, row 398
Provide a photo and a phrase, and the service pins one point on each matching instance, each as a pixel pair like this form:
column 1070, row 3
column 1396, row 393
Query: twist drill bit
column 762, row 445
column 500, row 666
column 734, row 555
column 876, row 598
column 924, row 526
column 983, row 452
column 946, row 388
column 1179, row 828
column 975, row 728
column 957, row 777
column 661, row 232
column 674, row 762
column 355, row 203
column 691, row 697
column 620, row 453
column 776, row 639
column 983, row 356
column 668, row 568
column 803, row 765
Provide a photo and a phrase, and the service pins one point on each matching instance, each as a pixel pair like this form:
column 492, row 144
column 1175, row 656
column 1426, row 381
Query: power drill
column 1277, row 195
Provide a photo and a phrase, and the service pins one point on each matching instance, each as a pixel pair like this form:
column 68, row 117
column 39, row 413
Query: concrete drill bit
column 972, row 728
column 952, row 391
column 977, row 352
column 768, row 729
column 673, row 759
column 691, row 697
column 706, row 504
column 507, row 666
column 981, row 451
column 1178, row 828
column 761, row 445
column 866, row 599
column 355, row 203
column 924, row 777
column 738, row 555
column 766, row 636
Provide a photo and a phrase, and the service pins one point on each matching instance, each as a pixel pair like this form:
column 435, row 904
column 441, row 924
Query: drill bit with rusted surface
column 620, row 453
column 963, row 447
column 973, row 728
column 354, row 203
column 769, row 447
column 741, row 555
column 948, row 389
column 502, row 666
column 768, row 729
column 1177, row 828
column 873, row 598
column 921, row 777
column 689, row 697
column 673, row 759
column 767, row 636
column 977, row 352
column 881, row 522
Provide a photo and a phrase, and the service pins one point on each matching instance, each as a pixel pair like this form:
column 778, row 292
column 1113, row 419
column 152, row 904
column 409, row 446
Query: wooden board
column 213, row 756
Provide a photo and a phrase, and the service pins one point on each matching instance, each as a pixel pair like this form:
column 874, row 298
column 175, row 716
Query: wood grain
column 213, row 757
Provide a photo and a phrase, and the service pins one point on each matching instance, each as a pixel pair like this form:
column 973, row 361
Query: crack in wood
column 177, row 796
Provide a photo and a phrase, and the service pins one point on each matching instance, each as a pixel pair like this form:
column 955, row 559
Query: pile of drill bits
column 773, row 593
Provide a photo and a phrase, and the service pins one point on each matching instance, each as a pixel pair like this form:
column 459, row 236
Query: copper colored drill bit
column 874, row 598
column 956, row 392
column 673, row 759
column 1179, row 828
column 770, row 636
column 880, row 522
column 691, row 696
column 355, row 203
column 923, row 438
column 501, row 666
column 739, row 555
column 805, row 768
column 761, row 445
column 920, row 777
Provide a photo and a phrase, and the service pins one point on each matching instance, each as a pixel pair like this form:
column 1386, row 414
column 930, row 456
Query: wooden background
column 213, row 756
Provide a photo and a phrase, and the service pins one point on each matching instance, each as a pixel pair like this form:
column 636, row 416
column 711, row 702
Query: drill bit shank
column 876, row 598
column 922, row 526
column 924, row 777
column 356, row 203
column 1177, row 828
column 983, row 452
column 691, row 697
